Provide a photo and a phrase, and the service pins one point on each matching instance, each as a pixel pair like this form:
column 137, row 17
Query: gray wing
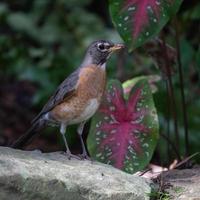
column 65, row 89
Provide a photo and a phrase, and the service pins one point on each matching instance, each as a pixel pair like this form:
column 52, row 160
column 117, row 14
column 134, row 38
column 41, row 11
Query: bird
column 77, row 98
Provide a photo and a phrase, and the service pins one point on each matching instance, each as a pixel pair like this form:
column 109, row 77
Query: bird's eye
column 101, row 46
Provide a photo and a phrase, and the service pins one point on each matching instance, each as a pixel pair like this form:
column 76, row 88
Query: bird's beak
column 116, row 47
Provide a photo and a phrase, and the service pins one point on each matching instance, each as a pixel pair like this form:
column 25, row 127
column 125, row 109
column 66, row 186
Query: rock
column 183, row 184
column 26, row 175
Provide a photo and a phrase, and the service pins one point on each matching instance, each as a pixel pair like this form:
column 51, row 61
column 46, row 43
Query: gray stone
column 34, row 175
column 183, row 184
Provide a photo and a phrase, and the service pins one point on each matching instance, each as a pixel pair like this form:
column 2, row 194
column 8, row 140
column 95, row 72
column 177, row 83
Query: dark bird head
column 99, row 51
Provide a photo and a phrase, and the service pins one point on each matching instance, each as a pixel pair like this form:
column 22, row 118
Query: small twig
column 144, row 172
column 186, row 159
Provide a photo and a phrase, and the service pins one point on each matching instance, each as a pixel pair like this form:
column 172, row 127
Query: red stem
column 171, row 93
column 184, row 106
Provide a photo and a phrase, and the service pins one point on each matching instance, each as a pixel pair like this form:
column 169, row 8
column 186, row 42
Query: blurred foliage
column 43, row 41
column 188, row 24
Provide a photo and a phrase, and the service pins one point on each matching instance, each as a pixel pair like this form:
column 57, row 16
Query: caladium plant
column 152, row 80
column 124, row 131
column 139, row 20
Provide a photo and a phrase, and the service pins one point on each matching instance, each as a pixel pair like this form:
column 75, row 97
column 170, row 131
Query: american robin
column 77, row 98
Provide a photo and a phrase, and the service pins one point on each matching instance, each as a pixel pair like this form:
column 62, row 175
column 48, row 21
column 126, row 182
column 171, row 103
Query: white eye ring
column 102, row 47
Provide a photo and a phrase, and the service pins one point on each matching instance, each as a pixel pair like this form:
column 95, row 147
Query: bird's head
column 99, row 51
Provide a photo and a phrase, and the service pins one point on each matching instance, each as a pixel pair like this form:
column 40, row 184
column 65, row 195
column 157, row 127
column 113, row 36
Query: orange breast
column 91, row 85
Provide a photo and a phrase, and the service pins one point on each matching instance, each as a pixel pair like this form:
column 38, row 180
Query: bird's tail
column 29, row 135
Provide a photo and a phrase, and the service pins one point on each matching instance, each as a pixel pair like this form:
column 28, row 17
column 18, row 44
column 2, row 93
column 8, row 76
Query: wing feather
column 65, row 90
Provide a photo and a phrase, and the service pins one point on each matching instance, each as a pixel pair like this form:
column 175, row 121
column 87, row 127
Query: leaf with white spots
column 152, row 80
column 124, row 131
column 139, row 20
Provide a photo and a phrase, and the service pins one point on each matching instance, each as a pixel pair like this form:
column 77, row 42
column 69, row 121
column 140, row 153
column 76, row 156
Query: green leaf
column 3, row 8
column 22, row 22
column 152, row 79
column 139, row 20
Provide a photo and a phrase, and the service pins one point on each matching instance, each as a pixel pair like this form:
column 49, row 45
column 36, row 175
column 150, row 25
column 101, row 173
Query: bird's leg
column 68, row 152
column 80, row 131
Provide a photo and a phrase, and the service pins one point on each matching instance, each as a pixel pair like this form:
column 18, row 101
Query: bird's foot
column 71, row 156
column 85, row 156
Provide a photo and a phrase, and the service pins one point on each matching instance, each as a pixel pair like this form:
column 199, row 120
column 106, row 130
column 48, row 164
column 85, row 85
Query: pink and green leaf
column 139, row 20
column 124, row 132
column 152, row 80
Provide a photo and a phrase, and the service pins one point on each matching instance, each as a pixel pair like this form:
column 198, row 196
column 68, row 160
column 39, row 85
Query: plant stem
column 171, row 93
column 184, row 106
column 120, row 66
column 168, row 123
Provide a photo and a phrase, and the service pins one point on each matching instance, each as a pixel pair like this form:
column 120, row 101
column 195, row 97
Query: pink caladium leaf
column 139, row 20
column 124, row 131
